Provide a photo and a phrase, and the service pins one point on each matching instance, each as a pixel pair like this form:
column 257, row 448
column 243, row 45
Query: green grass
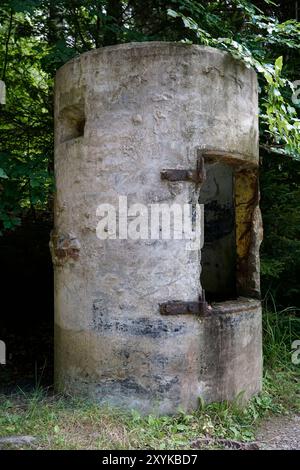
column 67, row 423
column 281, row 328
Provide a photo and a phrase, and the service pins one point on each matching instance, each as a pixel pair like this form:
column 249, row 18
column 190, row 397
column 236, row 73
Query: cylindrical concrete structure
column 122, row 115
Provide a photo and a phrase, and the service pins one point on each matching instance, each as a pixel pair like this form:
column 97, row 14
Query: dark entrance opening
column 218, row 276
column 26, row 325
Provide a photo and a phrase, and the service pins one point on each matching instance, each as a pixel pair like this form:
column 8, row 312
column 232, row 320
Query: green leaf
column 279, row 64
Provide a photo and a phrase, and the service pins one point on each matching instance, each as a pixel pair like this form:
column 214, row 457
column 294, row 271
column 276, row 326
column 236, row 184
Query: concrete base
column 172, row 361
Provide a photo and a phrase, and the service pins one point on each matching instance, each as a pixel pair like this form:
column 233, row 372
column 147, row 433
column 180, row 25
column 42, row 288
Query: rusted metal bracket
column 194, row 176
column 178, row 307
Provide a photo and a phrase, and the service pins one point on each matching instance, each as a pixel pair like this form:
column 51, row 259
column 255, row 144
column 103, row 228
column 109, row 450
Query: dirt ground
column 282, row 433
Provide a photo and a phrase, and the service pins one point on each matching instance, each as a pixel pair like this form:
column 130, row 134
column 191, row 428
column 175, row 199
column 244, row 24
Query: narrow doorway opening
column 218, row 277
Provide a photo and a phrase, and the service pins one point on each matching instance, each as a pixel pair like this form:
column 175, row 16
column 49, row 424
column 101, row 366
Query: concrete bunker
column 168, row 123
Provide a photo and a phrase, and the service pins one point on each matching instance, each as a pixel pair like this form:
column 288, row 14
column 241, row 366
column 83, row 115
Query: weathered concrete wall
column 122, row 114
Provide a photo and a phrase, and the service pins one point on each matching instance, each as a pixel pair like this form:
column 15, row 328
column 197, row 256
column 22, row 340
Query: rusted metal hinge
column 194, row 176
column 178, row 307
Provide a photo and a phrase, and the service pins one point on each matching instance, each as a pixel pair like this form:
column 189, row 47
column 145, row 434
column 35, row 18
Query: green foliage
column 25, row 122
column 280, row 204
column 254, row 47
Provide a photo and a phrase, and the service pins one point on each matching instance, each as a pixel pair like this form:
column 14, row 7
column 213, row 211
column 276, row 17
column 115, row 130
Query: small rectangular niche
column 72, row 122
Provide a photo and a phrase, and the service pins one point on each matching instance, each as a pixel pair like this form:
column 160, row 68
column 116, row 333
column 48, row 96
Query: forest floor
column 83, row 432
column 42, row 420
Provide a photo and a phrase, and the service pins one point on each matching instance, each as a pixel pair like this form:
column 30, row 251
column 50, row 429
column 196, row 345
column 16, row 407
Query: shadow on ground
column 26, row 324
